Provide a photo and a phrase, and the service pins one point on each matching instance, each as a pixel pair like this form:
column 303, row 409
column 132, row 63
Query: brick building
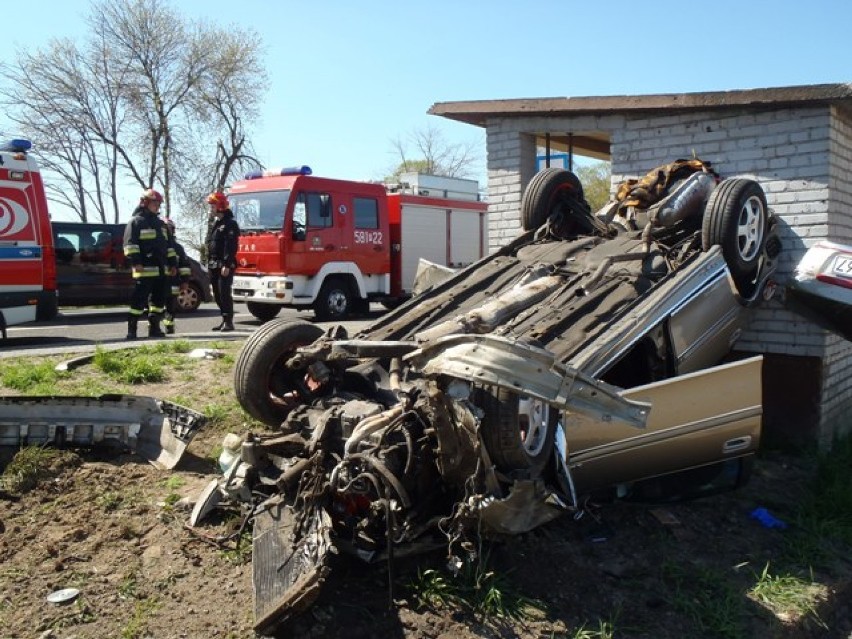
column 795, row 141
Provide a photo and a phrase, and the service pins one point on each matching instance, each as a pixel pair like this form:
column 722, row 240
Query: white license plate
column 239, row 283
column 842, row 265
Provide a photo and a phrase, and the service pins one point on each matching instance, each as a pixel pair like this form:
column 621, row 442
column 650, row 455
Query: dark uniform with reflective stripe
column 175, row 282
column 222, row 245
column 147, row 247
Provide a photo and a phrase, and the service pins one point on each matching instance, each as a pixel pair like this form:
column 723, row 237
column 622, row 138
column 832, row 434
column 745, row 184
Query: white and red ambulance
column 27, row 259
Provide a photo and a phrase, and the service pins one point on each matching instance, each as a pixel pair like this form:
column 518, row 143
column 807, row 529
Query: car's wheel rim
column 750, row 227
column 533, row 423
column 187, row 299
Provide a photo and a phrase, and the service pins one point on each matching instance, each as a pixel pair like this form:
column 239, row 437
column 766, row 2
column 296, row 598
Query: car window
column 67, row 246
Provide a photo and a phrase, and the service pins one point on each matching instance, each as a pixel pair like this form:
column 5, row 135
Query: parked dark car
column 91, row 268
column 587, row 358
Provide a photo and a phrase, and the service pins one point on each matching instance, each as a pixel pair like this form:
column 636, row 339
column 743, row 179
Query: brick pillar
column 511, row 165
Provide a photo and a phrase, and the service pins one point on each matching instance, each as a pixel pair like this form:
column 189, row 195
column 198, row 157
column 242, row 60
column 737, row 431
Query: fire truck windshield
column 261, row 210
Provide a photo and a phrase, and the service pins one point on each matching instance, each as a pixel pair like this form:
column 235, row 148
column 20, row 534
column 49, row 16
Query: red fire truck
column 336, row 245
column 27, row 261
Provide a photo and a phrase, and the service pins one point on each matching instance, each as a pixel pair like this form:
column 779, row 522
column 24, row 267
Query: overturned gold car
column 588, row 356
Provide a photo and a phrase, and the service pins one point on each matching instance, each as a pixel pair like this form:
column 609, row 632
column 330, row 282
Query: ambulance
column 27, row 260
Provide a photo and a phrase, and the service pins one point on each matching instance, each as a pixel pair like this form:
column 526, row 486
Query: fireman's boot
column 132, row 326
column 227, row 323
column 154, row 329
column 220, row 325
column 169, row 325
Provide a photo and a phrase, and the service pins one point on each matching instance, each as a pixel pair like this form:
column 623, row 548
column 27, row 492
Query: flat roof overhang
column 596, row 143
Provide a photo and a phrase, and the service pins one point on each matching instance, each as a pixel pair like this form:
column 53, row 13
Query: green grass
column 241, row 552
column 831, row 505
column 30, row 378
column 33, row 464
column 144, row 364
column 707, row 596
column 432, row 590
column 788, row 595
column 822, row 523
column 110, row 501
column 137, row 627
column 137, row 366
column 127, row 588
column 605, row 630
column 477, row 589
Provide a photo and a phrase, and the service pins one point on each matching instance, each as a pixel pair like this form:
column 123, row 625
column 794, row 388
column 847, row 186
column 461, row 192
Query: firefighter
column 222, row 243
column 146, row 245
column 175, row 283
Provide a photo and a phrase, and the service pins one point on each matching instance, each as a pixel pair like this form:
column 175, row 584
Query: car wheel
column 189, row 298
column 334, row 301
column 545, row 195
column 736, row 219
column 517, row 431
column 263, row 312
column 261, row 382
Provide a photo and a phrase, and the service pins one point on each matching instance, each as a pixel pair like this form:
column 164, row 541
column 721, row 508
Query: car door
column 696, row 419
column 317, row 232
column 90, row 264
column 104, row 271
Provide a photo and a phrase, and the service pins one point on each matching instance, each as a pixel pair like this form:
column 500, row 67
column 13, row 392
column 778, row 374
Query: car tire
column 518, row 432
column 335, row 300
column 189, row 298
column 259, row 373
column 736, row 218
column 545, row 193
column 263, row 312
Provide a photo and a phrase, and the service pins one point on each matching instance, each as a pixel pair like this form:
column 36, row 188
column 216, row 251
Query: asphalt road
column 82, row 329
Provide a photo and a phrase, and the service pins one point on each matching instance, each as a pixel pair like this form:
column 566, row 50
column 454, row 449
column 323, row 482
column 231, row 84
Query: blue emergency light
column 287, row 170
column 17, row 145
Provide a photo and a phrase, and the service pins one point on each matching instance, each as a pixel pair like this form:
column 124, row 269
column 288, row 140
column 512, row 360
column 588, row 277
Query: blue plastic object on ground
column 767, row 519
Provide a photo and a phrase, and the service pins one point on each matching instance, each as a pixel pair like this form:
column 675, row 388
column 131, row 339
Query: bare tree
column 228, row 96
column 432, row 154
column 148, row 98
column 44, row 96
column 165, row 65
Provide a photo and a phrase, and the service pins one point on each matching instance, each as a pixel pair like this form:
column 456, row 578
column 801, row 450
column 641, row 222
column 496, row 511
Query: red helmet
column 218, row 200
column 150, row 195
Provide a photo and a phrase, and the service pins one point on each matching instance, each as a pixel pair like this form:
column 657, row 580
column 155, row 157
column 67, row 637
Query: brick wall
column 787, row 152
column 836, row 393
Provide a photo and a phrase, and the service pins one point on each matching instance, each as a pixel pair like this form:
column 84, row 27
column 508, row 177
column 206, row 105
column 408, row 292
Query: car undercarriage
column 569, row 362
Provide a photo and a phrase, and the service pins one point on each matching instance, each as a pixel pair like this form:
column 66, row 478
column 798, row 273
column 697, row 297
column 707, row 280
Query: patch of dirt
column 106, row 528
column 114, row 528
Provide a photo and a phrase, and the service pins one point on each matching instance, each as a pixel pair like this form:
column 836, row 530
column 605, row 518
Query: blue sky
column 348, row 77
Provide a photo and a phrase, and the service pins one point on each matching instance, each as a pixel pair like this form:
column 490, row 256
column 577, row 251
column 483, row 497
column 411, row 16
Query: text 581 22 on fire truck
column 336, row 245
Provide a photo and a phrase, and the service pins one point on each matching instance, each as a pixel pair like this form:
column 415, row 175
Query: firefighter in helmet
column 222, row 243
column 146, row 246
column 177, row 282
